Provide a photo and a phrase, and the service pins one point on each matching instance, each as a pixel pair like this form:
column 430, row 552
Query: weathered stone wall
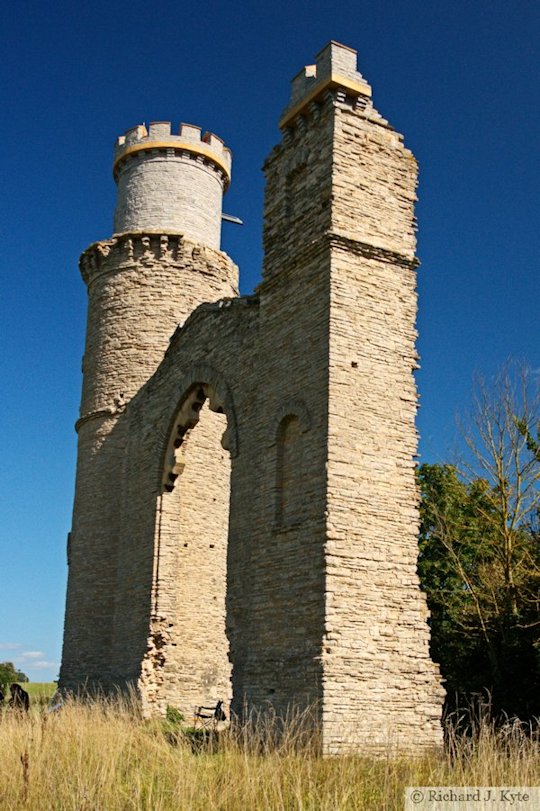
column 281, row 643
column 170, row 637
column 380, row 683
column 92, row 555
column 195, row 522
column 281, row 664
column 191, row 533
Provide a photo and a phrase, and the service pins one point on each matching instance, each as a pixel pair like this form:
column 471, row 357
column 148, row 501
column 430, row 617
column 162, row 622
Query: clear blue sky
column 460, row 79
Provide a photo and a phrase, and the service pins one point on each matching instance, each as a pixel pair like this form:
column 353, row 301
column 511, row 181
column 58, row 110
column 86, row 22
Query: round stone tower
column 161, row 263
column 171, row 183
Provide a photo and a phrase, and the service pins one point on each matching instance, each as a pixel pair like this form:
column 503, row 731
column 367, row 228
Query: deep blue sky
column 460, row 79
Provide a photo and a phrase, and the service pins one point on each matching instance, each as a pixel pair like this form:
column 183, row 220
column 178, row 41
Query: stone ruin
column 246, row 514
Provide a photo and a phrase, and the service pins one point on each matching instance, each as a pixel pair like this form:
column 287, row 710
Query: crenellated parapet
column 189, row 142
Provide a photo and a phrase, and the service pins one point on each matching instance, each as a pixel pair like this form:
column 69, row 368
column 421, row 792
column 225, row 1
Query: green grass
column 40, row 692
column 39, row 689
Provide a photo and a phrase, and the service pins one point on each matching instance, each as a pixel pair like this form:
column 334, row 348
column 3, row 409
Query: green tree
column 480, row 552
column 524, row 429
column 10, row 674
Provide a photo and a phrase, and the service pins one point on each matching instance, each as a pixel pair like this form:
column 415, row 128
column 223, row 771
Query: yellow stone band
column 181, row 146
column 358, row 88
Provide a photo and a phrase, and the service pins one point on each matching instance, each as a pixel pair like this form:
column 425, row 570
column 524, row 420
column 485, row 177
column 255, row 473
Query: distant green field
column 38, row 689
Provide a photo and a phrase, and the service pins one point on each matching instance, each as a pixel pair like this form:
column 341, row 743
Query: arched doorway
column 189, row 664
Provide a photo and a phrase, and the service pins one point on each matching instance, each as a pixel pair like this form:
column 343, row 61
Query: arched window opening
column 186, row 419
column 290, row 497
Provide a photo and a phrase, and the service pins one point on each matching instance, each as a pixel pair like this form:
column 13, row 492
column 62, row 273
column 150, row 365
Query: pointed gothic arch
column 191, row 541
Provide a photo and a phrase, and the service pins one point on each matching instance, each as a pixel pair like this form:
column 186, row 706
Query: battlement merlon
column 335, row 66
column 189, row 139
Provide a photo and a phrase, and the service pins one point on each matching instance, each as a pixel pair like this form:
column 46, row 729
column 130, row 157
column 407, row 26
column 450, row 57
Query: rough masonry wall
column 298, row 191
column 374, row 181
column 282, row 663
column 380, row 683
column 169, row 630
column 92, row 556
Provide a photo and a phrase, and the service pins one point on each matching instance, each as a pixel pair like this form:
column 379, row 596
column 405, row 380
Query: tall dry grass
column 103, row 757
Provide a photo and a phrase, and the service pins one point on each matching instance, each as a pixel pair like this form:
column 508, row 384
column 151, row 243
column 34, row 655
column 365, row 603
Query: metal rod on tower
column 232, row 218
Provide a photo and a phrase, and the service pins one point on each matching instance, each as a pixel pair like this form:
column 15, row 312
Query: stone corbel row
column 126, row 249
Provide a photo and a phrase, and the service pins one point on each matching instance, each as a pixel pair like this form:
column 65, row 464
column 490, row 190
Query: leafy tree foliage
column 10, row 674
column 479, row 558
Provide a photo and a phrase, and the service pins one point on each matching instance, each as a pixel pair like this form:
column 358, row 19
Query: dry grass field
column 104, row 757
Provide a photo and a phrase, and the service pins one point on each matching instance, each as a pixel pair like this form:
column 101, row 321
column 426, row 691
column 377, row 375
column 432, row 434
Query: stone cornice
column 112, row 411
column 370, row 251
column 351, row 87
column 329, row 240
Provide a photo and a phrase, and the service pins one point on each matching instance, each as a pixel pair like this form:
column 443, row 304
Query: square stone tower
column 338, row 306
